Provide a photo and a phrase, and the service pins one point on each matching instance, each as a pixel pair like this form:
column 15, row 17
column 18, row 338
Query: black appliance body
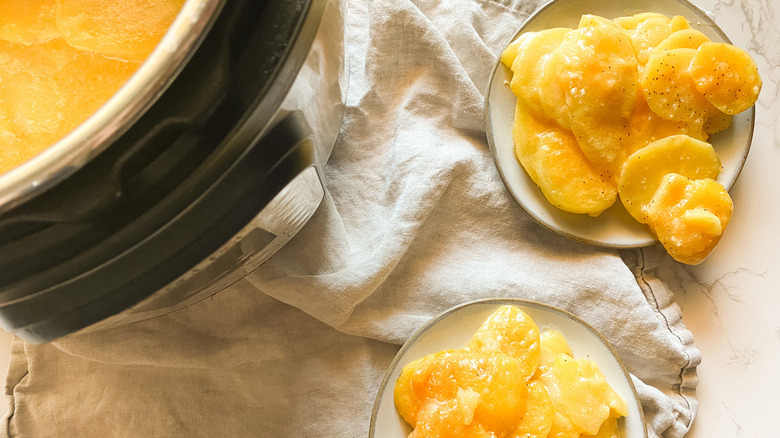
column 197, row 171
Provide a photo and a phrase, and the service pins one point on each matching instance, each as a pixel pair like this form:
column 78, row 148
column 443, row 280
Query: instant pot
column 198, row 170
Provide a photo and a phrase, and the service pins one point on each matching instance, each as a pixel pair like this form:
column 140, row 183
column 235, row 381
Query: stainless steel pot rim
column 91, row 137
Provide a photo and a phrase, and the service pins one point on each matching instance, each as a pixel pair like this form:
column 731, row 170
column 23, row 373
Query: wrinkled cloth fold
column 416, row 220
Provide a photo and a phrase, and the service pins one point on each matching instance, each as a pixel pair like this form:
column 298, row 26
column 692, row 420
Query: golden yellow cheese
column 555, row 369
column 609, row 429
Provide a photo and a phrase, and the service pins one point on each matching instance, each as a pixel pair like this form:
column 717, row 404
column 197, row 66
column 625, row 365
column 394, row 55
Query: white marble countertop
column 730, row 302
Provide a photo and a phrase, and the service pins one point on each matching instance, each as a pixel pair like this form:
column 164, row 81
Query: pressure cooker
column 192, row 175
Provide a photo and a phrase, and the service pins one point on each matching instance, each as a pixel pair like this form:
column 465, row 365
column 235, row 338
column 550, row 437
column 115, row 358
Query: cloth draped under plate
column 416, row 221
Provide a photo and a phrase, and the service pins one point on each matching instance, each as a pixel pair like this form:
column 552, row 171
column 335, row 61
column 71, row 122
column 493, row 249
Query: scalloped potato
column 510, row 381
column 670, row 90
column 529, row 59
column 727, row 76
column 647, row 30
column 645, row 168
column 553, row 160
column 689, row 216
column 594, row 103
column 681, row 39
column 595, row 68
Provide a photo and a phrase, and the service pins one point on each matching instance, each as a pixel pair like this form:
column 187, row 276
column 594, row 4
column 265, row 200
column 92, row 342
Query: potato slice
column 678, row 22
column 511, row 331
column 551, row 343
column 459, row 393
column 682, row 39
column 580, row 393
column 58, row 92
column 127, row 29
column 609, row 429
column 644, row 170
column 539, row 415
column 727, row 76
column 532, row 53
column 562, row 427
column 609, row 141
column 689, row 216
column 554, row 341
column 633, row 22
column 646, row 30
column 553, row 160
column 595, row 68
column 645, row 127
column 509, row 54
column 717, row 123
column 592, row 20
column 670, row 89
column 41, row 119
column 593, row 77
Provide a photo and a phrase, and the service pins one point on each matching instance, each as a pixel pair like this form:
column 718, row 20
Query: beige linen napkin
column 415, row 222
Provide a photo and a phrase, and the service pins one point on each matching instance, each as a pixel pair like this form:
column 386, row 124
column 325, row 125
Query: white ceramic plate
column 615, row 227
column 454, row 328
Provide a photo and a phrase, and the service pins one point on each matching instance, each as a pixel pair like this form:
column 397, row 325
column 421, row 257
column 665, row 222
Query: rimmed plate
column 454, row 328
column 615, row 227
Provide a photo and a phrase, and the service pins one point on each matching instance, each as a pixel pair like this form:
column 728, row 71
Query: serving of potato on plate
column 623, row 109
column 512, row 379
